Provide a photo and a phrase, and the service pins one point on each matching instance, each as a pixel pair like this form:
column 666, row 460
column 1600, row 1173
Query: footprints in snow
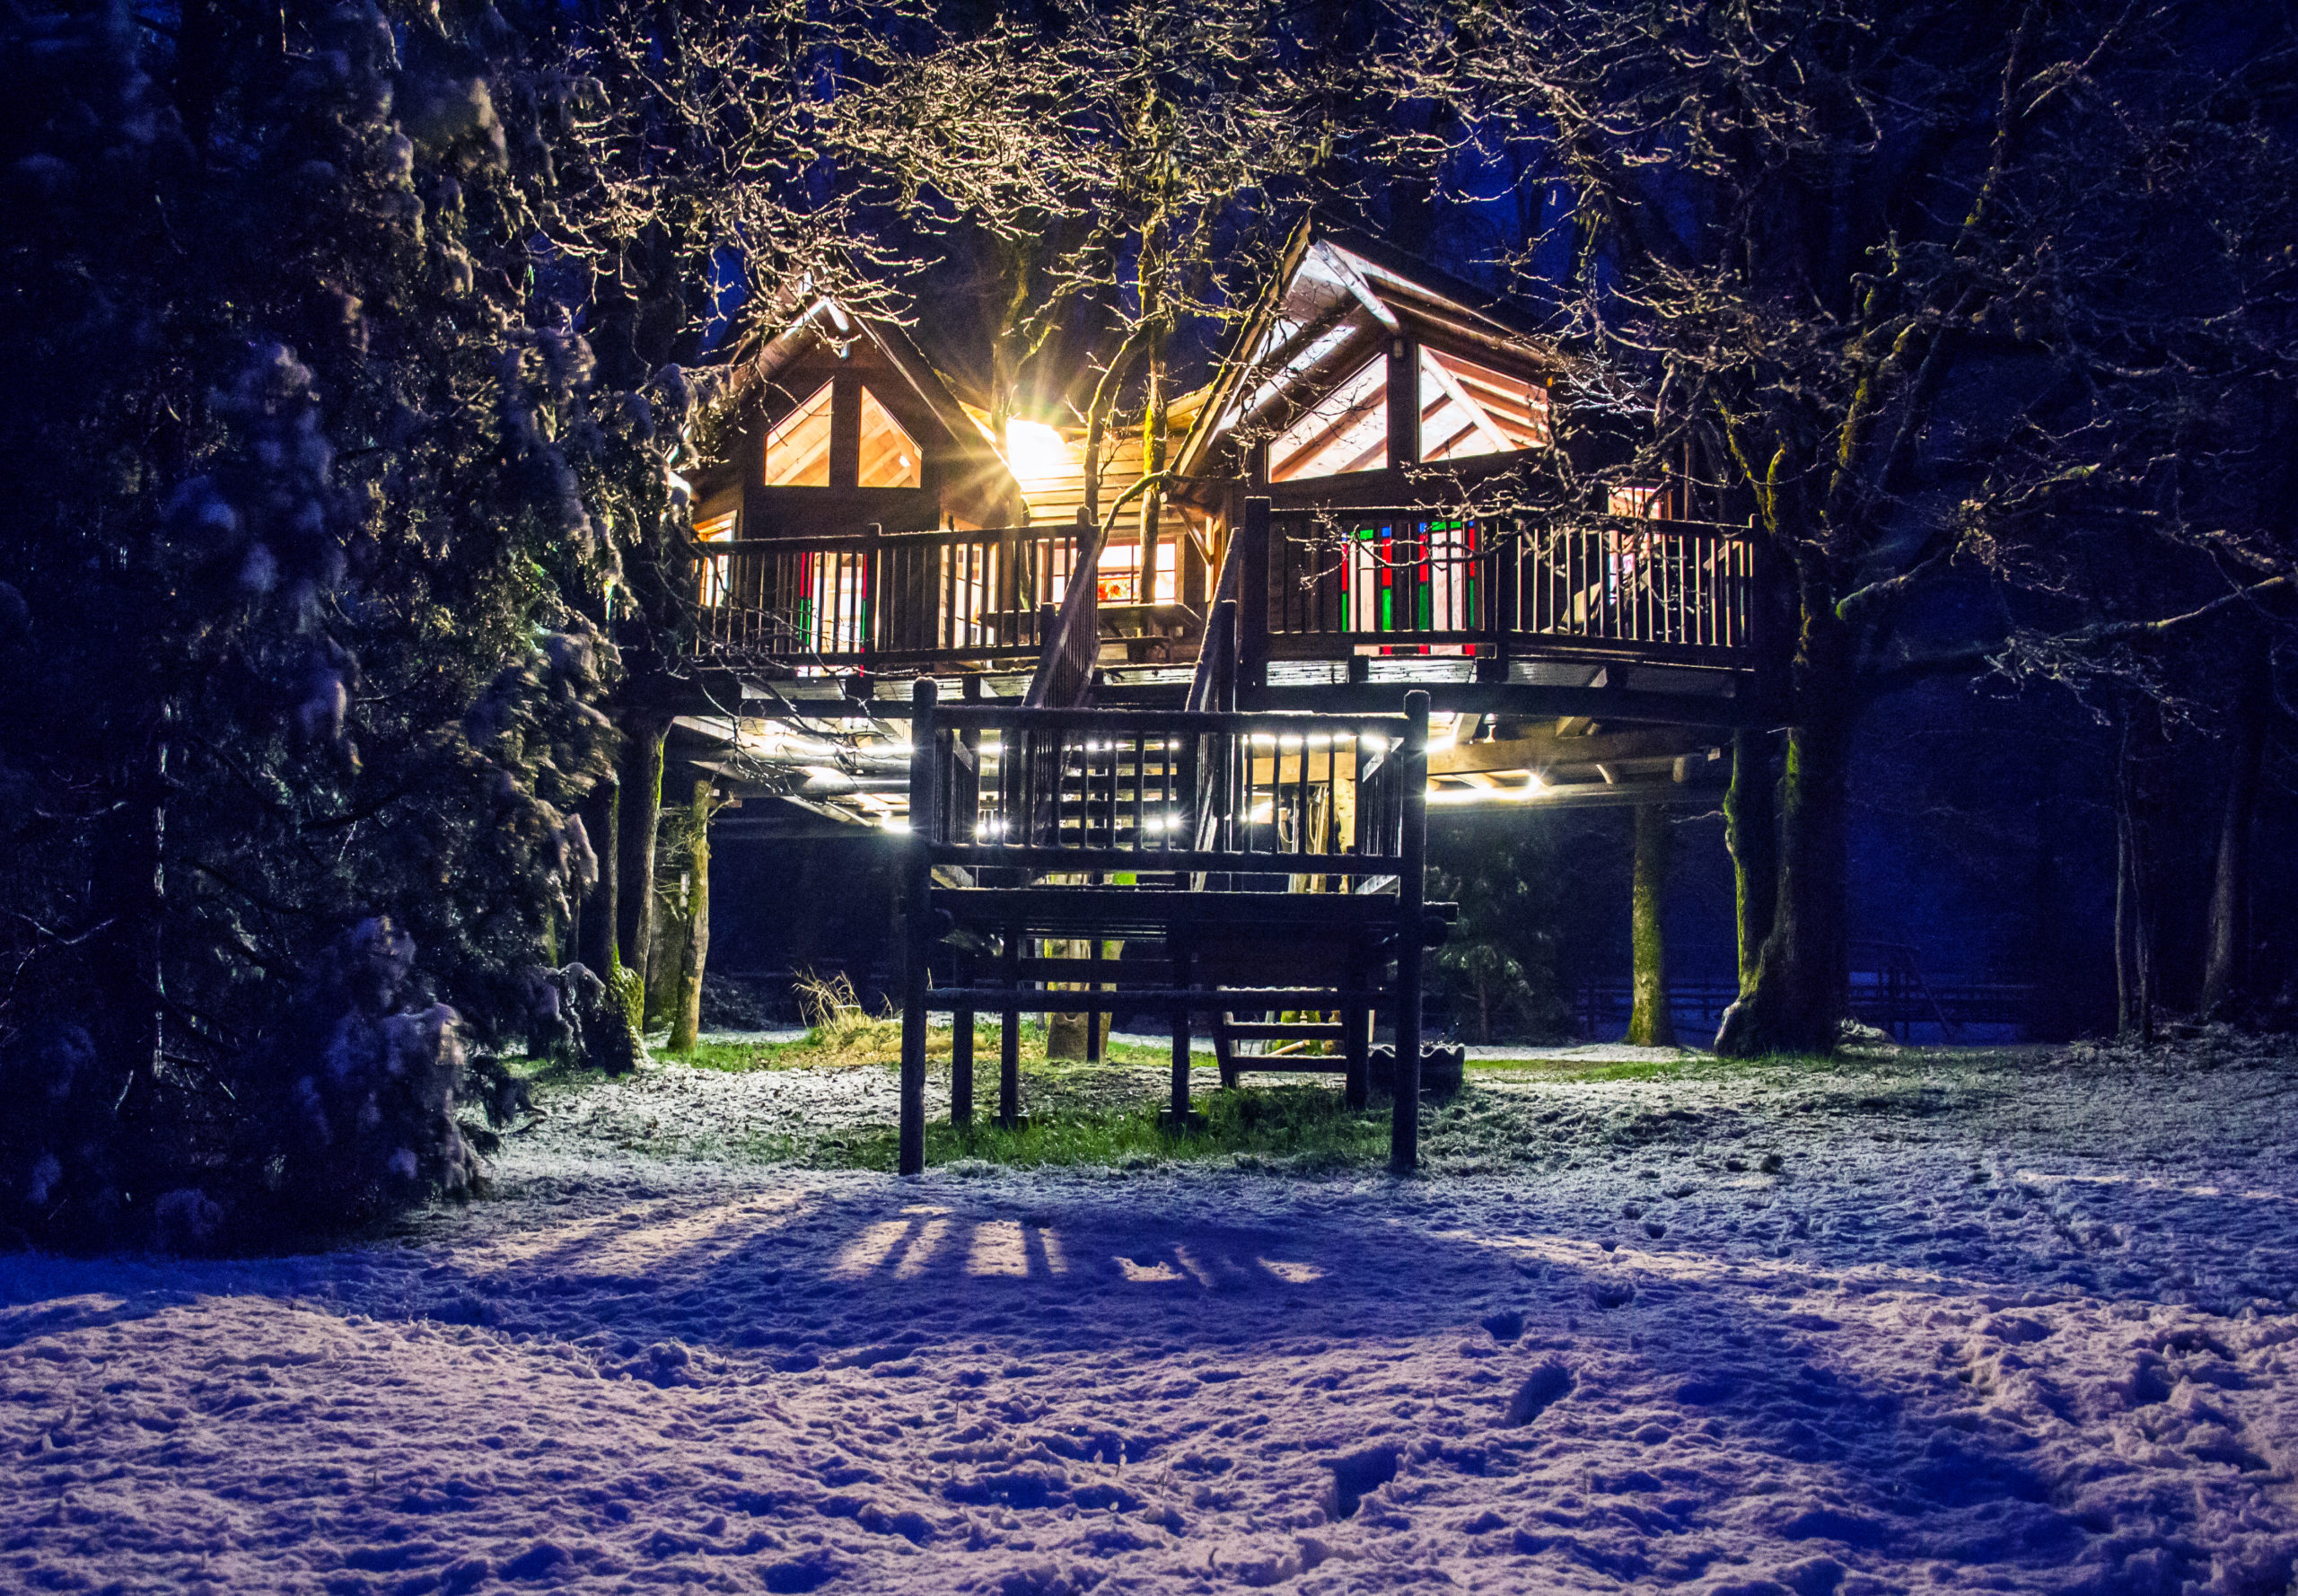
column 1542, row 1388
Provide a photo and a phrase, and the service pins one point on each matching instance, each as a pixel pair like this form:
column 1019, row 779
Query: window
column 1119, row 572
column 1467, row 410
column 889, row 456
column 797, row 448
column 1346, row 431
column 718, row 529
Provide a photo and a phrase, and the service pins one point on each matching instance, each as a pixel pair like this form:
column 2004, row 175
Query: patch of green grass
column 1304, row 1129
column 1578, row 1069
column 879, row 1042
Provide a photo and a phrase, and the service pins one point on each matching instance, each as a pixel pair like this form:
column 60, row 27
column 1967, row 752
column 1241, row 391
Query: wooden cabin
column 1400, row 441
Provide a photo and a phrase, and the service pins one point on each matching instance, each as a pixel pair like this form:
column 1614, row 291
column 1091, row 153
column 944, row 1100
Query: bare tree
column 1139, row 166
column 1912, row 286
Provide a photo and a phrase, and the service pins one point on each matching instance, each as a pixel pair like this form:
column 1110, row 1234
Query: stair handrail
column 1066, row 653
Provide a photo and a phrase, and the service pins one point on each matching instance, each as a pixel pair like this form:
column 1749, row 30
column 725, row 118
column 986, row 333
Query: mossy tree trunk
column 1751, row 834
column 1796, row 1000
column 668, row 958
column 685, row 1019
column 641, row 815
column 594, row 937
column 1650, row 1024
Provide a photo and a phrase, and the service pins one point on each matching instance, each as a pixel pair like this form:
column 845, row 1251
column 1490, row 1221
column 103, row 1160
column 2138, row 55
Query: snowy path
column 1890, row 1327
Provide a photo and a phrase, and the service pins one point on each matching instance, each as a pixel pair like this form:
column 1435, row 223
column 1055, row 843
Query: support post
column 918, row 929
column 1177, row 1117
column 961, row 1054
column 1404, row 1125
column 1356, row 1043
column 1093, row 952
column 1253, row 597
column 1009, row 1038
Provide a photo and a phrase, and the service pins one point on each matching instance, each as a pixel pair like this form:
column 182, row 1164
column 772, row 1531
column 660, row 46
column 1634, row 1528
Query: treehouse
column 1379, row 472
column 1203, row 715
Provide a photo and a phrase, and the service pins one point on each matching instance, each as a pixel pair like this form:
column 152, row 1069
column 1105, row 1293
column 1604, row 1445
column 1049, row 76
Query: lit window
column 797, row 448
column 889, row 454
column 1347, row 430
column 1467, row 410
column 718, row 529
column 1636, row 501
column 1119, row 573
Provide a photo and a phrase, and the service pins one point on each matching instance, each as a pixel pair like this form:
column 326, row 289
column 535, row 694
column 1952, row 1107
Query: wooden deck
column 1603, row 661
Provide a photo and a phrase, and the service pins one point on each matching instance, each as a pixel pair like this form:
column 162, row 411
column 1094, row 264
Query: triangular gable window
column 1467, row 408
column 797, row 448
column 1347, row 430
column 889, row 457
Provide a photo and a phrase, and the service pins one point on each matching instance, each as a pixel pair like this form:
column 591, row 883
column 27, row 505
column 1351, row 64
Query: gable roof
column 832, row 323
column 1335, row 300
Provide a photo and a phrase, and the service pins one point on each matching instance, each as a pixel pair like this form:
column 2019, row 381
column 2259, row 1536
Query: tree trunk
column 1649, row 1023
column 1798, row 997
column 667, row 958
column 2225, row 972
column 594, row 933
column 1065, row 1035
column 686, row 1022
column 641, row 817
column 1152, row 461
column 1751, row 834
column 2134, row 941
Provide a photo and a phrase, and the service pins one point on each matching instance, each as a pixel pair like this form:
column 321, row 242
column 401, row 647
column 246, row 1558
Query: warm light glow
column 1034, row 450
column 1532, row 787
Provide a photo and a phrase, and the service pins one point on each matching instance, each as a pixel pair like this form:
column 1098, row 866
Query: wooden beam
column 1546, row 749
column 1501, row 441
column 845, row 430
column 1354, row 281
column 1404, row 402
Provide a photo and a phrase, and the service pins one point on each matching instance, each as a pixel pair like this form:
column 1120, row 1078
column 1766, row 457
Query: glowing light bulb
column 1033, row 449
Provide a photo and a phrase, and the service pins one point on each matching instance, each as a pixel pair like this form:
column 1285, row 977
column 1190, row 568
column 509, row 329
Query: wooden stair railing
column 1078, row 795
column 1063, row 679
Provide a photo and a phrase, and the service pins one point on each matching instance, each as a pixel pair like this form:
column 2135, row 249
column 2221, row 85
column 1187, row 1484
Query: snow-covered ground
column 1911, row 1324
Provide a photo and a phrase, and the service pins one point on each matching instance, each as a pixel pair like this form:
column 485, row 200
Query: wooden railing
column 1307, row 584
column 883, row 598
column 1134, row 790
column 1408, row 580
